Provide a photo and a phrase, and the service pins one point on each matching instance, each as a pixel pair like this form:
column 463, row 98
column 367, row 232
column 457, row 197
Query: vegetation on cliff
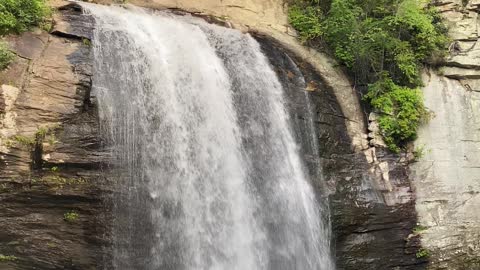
column 17, row 16
column 384, row 44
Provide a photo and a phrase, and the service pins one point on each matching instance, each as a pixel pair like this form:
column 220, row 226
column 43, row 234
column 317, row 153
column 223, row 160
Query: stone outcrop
column 447, row 176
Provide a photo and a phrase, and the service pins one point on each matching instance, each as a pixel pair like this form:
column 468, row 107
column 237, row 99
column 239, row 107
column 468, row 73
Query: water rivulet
column 209, row 175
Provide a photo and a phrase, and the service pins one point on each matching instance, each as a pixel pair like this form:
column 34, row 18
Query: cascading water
column 209, row 175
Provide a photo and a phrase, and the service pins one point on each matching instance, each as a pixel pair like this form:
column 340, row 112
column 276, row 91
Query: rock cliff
column 53, row 162
column 447, row 176
column 52, row 193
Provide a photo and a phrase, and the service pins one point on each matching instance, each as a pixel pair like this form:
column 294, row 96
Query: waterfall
column 208, row 175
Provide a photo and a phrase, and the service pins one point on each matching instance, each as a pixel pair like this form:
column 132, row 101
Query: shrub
column 17, row 16
column 384, row 44
column 306, row 20
column 401, row 110
column 6, row 56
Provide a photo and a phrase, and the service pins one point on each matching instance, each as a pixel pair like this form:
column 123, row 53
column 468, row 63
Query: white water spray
column 209, row 174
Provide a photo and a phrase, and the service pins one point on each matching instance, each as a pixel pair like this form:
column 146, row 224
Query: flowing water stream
column 210, row 176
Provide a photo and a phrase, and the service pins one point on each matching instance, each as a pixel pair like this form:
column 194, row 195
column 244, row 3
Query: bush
column 6, row 56
column 384, row 44
column 306, row 20
column 401, row 110
column 17, row 16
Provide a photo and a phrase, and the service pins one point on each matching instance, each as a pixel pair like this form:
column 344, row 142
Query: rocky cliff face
column 447, row 177
column 53, row 164
column 52, row 193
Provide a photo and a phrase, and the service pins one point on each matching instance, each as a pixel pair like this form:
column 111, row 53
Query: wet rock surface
column 52, row 191
column 370, row 193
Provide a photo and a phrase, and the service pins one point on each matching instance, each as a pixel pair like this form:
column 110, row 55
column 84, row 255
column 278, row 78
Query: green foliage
column 24, row 141
column 61, row 181
column 401, row 110
column 70, row 216
column 39, row 137
column 307, row 21
column 418, row 229
column 7, row 258
column 17, row 16
column 422, row 253
column 419, row 152
column 41, row 133
column 6, row 56
column 86, row 42
column 384, row 43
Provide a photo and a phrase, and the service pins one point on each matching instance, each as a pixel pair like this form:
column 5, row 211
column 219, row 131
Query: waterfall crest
column 209, row 175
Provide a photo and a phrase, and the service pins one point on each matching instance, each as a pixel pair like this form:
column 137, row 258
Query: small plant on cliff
column 86, row 42
column 7, row 258
column 39, row 137
column 24, row 141
column 419, row 229
column 384, row 45
column 6, row 56
column 70, row 216
column 419, row 152
column 422, row 253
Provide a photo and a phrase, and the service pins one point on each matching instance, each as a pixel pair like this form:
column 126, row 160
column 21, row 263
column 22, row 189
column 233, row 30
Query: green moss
column 7, row 258
column 60, row 181
column 86, row 42
column 70, row 216
column 422, row 253
column 418, row 229
column 384, row 44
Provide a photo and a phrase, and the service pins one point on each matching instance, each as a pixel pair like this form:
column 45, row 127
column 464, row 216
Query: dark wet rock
column 71, row 23
column 371, row 199
column 48, row 89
